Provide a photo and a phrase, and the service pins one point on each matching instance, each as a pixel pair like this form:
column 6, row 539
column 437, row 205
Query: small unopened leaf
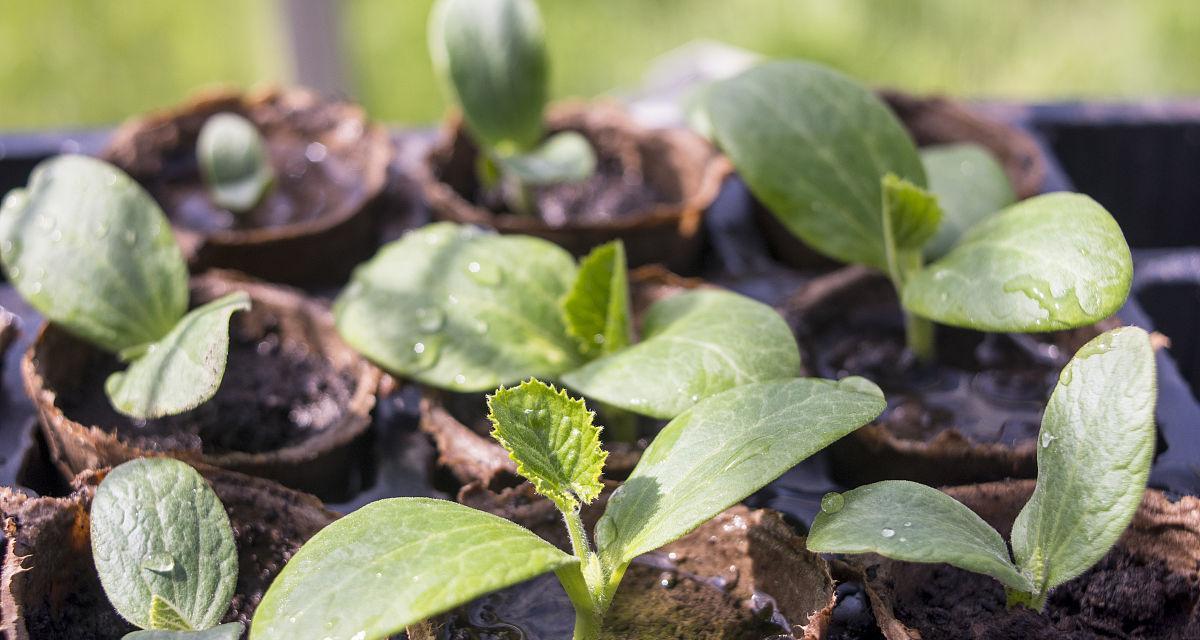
column 233, row 160
column 394, row 563
column 159, row 530
column 1093, row 457
column 912, row 522
column 912, row 213
column 1052, row 262
column 694, row 345
column 184, row 369
column 969, row 184
column 596, row 309
column 90, row 250
column 230, row 631
column 563, row 157
column 164, row 615
column 551, row 437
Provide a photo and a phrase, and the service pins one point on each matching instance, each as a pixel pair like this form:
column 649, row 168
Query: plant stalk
column 919, row 334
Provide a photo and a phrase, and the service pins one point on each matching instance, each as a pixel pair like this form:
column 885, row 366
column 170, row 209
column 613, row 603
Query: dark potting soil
column 1121, row 597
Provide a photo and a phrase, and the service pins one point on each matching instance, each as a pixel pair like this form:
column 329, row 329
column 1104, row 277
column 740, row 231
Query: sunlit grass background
column 94, row 62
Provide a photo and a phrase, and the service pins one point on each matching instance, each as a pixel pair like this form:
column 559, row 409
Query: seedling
column 832, row 162
column 458, row 308
column 233, row 161
column 1095, row 448
column 491, row 56
column 399, row 561
column 164, row 550
column 87, row 247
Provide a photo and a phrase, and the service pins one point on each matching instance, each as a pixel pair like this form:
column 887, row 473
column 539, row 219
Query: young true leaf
column 694, row 345
column 181, row 371
column 394, row 563
column 233, row 160
column 551, row 437
column 163, row 545
column 969, row 184
column 491, row 56
column 911, row 214
column 596, row 309
column 563, row 157
column 1052, row 262
column 230, row 631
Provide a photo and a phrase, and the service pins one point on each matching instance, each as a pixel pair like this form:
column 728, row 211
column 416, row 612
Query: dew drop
column 15, row 273
column 485, row 273
column 908, row 524
column 35, row 288
column 130, row 237
column 832, row 502
column 598, row 338
column 1066, row 375
column 6, row 246
column 430, row 319
column 419, row 348
column 1047, row 438
column 426, row 352
column 887, row 533
column 158, row 562
column 460, row 379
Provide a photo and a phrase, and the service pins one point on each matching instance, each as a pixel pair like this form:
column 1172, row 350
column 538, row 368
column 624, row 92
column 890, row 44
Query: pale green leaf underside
column 394, row 563
column 722, row 450
column 563, row 157
column 1096, row 444
column 694, row 345
column 233, row 160
column 230, row 631
column 551, row 437
column 159, row 530
column 969, row 184
column 184, row 369
column 812, row 145
column 164, row 616
column 457, row 308
column 596, row 309
column 90, row 250
column 1052, row 262
column 912, row 212
column 912, row 522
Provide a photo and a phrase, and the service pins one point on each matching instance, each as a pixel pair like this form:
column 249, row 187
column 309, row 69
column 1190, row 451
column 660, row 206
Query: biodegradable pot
column 1148, row 586
column 650, row 189
column 51, row 591
column 930, row 121
column 293, row 406
column 973, row 416
column 320, row 217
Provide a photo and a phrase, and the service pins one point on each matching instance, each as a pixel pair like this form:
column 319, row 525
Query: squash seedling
column 1093, row 459
column 459, row 308
column 399, row 561
column 87, row 247
column 164, row 550
column 832, row 162
column 491, row 57
column 233, row 162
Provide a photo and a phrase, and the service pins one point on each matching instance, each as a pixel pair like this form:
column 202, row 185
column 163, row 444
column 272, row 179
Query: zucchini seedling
column 1093, row 459
column 491, row 57
column 399, row 561
column 87, row 247
column 164, row 550
column 233, row 162
column 837, row 168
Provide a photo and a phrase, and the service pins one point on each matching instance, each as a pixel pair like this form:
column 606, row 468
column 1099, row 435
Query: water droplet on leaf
column 485, row 273
column 1047, row 438
column 158, row 562
column 887, row 533
column 832, row 502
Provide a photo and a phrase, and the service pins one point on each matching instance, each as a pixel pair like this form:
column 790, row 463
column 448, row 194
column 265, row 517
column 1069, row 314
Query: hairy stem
column 579, row 542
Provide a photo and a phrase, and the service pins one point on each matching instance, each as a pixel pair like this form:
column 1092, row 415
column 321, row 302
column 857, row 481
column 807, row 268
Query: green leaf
column 969, row 184
column 394, row 563
column 233, row 160
column 491, row 55
column 181, row 371
column 159, row 530
column 812, row 145
column 457, row 308
column 907, row 521
column 911, row 213
column 695, row 344
column 563, row 157
column 1052, row 262
column 551, row 437
column 164, row 616
column 87, row 247
column 722, row 450
column 1094, row 453
column 596, row 309
column 230, row 631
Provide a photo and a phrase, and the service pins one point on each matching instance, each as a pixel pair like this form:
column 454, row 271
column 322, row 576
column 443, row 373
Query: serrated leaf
column 233, row 161
column 230, row 631
column 164, row 615
column 694, row 345
column 911, row 213
column 394, row 563
column 159, row 530
column 1094, row 453
column 87, row 247
column 551, row 437
column 970, row 184
column 812, row 145
column 457, row 308
column 563, row 157
column 722, row 450
column 596, row 309
column 491, row 56
column 912, row 522
column 181, row 371
column 1051, row 262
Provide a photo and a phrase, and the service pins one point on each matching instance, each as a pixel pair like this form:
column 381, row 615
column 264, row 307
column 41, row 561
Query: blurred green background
column 94, row 62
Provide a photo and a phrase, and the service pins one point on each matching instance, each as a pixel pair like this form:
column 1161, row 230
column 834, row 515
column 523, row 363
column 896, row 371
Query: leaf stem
column 919, row 335
column 579, row 541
